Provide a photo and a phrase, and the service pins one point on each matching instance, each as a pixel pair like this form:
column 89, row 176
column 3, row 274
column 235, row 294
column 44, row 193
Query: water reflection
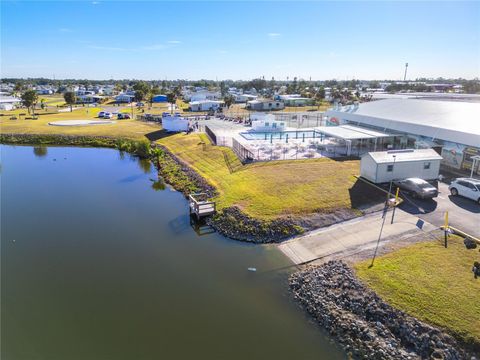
column 40, row 151
column 130, row 278
column 145, row 165
column 158, row 185
column 200, row 227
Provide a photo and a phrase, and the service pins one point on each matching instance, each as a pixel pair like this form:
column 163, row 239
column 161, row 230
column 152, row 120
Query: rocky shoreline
column 366, row 326
column 230, row 222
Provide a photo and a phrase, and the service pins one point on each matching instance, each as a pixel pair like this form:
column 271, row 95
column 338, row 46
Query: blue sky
column 239, row 40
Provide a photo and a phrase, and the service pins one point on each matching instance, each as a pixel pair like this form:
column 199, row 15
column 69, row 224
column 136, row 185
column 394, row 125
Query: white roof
column 454, row 121
column 205, row 102
column 404, row 155
column 350, row 132
column 9, row 99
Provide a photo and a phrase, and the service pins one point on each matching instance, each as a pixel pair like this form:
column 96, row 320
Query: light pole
column 391, row 180
column 384, row 214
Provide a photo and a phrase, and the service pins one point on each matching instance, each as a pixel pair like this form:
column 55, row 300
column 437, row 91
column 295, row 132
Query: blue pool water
column 280, row 135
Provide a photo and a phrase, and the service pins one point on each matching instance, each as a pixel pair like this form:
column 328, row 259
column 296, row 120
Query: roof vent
column 400, row 151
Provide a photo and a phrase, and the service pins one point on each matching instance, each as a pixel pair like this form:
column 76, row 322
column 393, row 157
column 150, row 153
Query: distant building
column 384, row 166
column 451, row 128
column 124, row 98
column 205, row 105
column 159, row 98
column 265, row 105
column 266, row 122
column 295, row 100
column 44, row 91
column 242, row 98
column 89, row 99
column 202, row 95
column 9, row 102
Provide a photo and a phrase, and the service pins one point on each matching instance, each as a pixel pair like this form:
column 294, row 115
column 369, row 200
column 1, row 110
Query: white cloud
column 174, row 42
column 153, row 47
column 95, row 2
column 273, row 35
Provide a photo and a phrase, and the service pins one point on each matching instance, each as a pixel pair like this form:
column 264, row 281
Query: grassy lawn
column 269, row 189
column 431, row 283
column 122, row 128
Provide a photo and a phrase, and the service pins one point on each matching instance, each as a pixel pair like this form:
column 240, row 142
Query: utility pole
column 405, row 75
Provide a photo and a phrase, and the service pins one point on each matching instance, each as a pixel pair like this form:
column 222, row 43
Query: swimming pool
column 281, row 135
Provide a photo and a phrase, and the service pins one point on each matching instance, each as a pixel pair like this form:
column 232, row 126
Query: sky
column 239, row 40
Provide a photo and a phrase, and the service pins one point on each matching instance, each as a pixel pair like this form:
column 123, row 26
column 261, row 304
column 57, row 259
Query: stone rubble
column 366, row 326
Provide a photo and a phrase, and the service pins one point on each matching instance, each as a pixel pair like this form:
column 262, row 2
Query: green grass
column 269, row 189
column 432, row 283
column 131, row 129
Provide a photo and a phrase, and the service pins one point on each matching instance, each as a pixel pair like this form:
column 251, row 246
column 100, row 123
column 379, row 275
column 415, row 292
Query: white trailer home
column 205, row 105
column 384, row 166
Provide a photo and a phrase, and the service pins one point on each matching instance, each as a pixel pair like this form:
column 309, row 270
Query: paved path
column 351, row 236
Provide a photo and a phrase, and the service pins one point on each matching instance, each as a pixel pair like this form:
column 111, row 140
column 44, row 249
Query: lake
column 99, row 261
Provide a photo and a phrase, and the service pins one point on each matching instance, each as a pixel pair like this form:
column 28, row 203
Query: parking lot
column 463, row 213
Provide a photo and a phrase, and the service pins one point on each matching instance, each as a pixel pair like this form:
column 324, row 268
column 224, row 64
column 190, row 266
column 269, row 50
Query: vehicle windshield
column 424, row 185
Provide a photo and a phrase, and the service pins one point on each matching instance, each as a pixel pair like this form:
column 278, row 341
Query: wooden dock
column 201, row 206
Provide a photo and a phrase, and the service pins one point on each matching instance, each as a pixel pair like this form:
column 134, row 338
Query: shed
column 175, row 123
column 384, row 166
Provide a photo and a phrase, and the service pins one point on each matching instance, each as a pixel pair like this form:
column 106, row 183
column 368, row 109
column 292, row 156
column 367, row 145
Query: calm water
column 98, row 262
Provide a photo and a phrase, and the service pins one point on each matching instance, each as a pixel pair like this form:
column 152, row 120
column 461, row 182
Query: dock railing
column 201, row 206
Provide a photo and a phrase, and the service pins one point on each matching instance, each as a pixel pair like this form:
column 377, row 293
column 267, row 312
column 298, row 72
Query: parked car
column 121, row 116
column 467, row 187
column 101, row 114
column 107, row 115
column 417, row 188
column 140, row 104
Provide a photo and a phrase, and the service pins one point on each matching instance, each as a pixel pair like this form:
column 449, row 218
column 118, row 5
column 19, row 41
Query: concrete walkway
column 354, row 235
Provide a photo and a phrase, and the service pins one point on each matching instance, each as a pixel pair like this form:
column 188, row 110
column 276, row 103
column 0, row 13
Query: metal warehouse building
column 452, row 128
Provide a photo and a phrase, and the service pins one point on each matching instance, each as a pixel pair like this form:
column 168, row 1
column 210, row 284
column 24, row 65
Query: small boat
column 252, row 269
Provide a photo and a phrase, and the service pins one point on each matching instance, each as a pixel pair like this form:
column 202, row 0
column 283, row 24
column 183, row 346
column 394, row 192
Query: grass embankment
column 431, row 283
column 269, row 189
column 131, row 129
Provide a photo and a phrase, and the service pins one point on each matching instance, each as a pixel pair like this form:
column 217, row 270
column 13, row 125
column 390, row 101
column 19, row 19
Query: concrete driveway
column 349, row 237
column 463, row 213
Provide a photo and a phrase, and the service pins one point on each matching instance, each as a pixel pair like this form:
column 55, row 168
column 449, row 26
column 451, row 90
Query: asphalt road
column 463, row 213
